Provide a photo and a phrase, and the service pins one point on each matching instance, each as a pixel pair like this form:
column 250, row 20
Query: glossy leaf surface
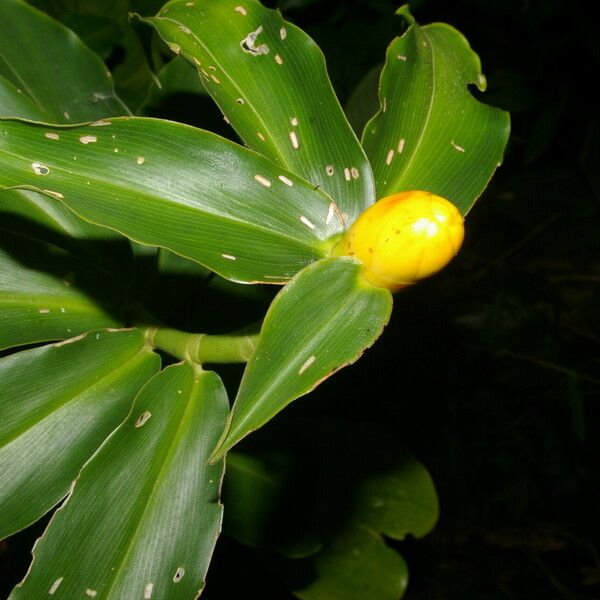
column 62, row 80
column 321, row 321
column 175, row 186
column 431, row 133
column 47, row 293
column 59, row 403
column 144, row 514
column 269, row 79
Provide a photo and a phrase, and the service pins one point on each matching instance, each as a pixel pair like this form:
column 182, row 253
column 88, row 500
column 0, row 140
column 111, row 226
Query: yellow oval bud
column 403, row 238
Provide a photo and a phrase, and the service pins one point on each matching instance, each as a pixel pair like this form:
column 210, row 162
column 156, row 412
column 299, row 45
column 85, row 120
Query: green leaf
column 178, row 187
column 59, row 403
column 144, row 515
column 320, row 322
column 269, row 79
column 431, row 133
column 49, row 294
column 356, row 565
column 376, row 484
column 54, row 71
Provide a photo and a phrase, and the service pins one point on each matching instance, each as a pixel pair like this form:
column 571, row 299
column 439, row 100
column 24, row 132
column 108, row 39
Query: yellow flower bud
column 403, row 238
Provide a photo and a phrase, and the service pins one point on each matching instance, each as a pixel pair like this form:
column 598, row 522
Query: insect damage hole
column 178, row 575
column 248, row 44
column 39, row 168
column 143, row 418
column 55, row 585
column 88, row 139
column 307, row 364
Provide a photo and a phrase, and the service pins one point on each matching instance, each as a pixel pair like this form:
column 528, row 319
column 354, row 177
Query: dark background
column 488, row 372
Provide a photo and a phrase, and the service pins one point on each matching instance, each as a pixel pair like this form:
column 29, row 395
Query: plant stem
column 235, row 347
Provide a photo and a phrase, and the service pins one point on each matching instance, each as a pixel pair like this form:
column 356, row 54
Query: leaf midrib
column 406, row 168
column 148, row 491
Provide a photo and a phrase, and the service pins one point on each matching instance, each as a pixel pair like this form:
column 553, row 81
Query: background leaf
column 59, row 403
column 356, row 565
column 166, row 184
column 431, row 133
column 47, row 293
column 269, row 79
column 85, row 92
column 144, row 514
column 321, row 321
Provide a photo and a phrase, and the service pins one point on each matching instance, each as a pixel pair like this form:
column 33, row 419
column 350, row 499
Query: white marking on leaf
column 330, row 212
column 355, row 173
column 285, row 180
column 52, row 136
column 229, row 256
column 261, row 136
column 401, row 57
column 294, row 121
column 278, row 59
column 329, row 170
column 384, row 104
column 248, row 44
column 389, row 157
column 308, row 223
column 55, row 585
column 307, row 364
column 66, row 115
column 40, row 169
column 347, row 175
column 101, row 123
column 262, row 180
column 178, row 575
column 241, row 10
column 294, row 140
column 142, row 418
column 148, row 591
column 185, row 29
column 283, row 33
column 215, row 79
column 240, row 101
column 88, row 139
column 401, row 145
column 457, row 147
column 44, row 311
column 140, row 160
column 174, row 47
column 91, row 593
column 70, row 340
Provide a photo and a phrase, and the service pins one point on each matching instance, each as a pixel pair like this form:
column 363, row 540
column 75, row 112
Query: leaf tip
column 404, row 11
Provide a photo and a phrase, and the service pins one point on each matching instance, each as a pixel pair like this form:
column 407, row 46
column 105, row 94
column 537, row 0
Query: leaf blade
column 137, row 535
column 321, row 321
column 52, row 423
column 48, row 294
column 248, row 55
column 178, row 187
column 430, row 132
column 84, row 91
